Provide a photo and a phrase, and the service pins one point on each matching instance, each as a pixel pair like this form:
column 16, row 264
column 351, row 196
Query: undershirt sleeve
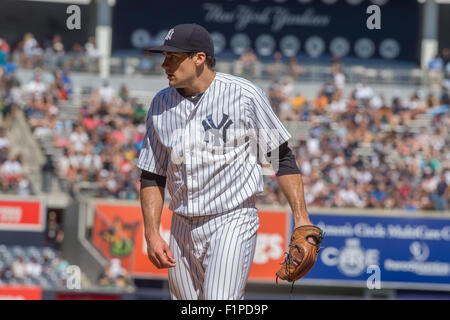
column 287, row 164
column 150, row 179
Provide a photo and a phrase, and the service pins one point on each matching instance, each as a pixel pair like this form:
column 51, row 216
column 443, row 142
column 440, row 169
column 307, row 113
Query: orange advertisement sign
column 271, row 243
column 21, row 215
column 118, row 232
column 20, row 293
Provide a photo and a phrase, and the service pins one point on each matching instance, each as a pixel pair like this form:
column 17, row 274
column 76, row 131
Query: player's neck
column 201, row 83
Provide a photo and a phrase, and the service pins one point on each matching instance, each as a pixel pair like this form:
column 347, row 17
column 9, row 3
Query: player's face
column 180, row 69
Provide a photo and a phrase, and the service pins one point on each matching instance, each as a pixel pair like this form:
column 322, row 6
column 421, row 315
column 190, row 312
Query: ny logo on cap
column 169, row 34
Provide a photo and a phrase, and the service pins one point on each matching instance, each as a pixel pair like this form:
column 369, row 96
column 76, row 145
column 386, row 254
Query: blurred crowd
column 404, row 166
column 52, row 53
column 103, row 143
column 12, row 176
column 114, row 275
column 364, row 150
column 32, row 266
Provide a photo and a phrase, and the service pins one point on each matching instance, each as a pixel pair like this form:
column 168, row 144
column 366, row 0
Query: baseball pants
column 213, row 255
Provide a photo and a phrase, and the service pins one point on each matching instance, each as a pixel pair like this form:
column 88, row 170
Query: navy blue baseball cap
column 186, row 38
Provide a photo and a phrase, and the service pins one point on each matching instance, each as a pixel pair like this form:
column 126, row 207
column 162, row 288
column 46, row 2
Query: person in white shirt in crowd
column 92, row 54
column 106, row 92
column 23, row 186
column 33, row 268
column 11, row 168
column 18, row 268
column 78, row 138
column 31, row 49
column 339, row 78
column 286, row 90
column 363, row 92
column 36, row 87
column 4, row 141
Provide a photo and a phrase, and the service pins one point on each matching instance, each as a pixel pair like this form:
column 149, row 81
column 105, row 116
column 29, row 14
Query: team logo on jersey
column 211, row 128
column 169, row 35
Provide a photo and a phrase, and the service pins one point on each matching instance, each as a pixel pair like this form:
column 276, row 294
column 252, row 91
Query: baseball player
column 203, row 135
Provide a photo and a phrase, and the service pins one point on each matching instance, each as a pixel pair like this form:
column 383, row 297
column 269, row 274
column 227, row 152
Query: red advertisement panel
column 21, row 215
column 118, row 232
column 20, row 293
column 271, row 243
column 87, row 296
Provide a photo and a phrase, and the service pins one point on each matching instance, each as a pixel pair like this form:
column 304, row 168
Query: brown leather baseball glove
column 302, row 253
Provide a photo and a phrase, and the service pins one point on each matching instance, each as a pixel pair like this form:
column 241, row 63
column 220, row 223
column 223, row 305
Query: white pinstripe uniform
column 212, row 174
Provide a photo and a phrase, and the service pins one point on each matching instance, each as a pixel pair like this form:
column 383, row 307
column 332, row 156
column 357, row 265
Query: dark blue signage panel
column 318, row 28
column 407, row 252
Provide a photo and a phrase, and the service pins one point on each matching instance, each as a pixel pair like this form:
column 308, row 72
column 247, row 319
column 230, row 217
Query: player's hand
column 159, row 253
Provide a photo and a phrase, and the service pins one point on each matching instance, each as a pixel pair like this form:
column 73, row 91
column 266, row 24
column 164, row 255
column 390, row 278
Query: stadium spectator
column 320, row 103
column 249, row 63
column 436, row 72
column 275, row 95
column 4, row 51
column 76, row 59
column 11, row 169
column 276, row 69
column 92, row 54
column 33, row 268
column 294, row 69
column 299, row 106
column 114, row 275
column 36, row 87
column 441, row 196
column 286, row 94
column 8, row 68
column 338, row 78
column 4, row 145
column 4, row 46
column 18, row 268
column 32, row 52
column 146, row 63
column 106, row 92
column 78, row 138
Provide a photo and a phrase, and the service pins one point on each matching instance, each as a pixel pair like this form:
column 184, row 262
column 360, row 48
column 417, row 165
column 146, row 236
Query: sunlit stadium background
column 368, row 109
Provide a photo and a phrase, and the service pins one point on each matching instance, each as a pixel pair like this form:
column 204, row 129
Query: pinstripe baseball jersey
column 209, row 151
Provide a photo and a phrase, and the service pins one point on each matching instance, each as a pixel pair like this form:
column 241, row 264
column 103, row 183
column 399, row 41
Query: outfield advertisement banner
column 23, row 215
column 20, row 293
column 118, row 233
column 396, row 252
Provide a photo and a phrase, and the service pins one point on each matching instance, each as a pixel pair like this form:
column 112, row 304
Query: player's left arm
column 290, row 181
column 292, row 187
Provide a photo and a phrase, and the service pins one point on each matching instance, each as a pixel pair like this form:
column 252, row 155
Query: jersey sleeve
column 154, row 156
column 270, row 132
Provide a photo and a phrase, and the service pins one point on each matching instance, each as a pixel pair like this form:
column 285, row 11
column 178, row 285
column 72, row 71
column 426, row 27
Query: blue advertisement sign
column 399, row 252
column 314, row 29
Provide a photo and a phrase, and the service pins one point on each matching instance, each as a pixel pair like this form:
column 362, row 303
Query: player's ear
column 200, row 58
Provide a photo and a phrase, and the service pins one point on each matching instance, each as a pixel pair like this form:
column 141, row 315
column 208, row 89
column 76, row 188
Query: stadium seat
column 371, row 75
column 387, row 76
column 131, row 65
column 356, row 73
column 417, row 76
column 115, row 65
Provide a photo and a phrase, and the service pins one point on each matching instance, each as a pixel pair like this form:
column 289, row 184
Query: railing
column 145, row 65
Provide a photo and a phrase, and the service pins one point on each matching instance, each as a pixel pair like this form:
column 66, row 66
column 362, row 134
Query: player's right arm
column 153, row 160
column 152, row 202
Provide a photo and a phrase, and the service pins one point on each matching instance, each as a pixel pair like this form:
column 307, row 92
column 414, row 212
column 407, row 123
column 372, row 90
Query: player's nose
column 165, row 64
